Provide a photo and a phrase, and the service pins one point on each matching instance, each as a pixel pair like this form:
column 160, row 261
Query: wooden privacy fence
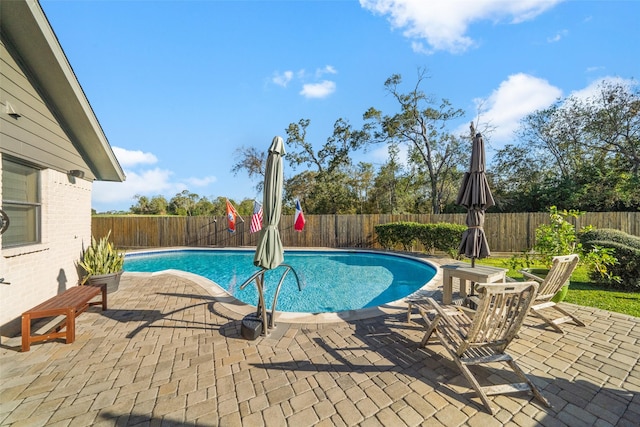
column 506, row 232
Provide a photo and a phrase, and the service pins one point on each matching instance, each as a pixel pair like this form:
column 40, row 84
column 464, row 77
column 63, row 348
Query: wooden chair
column 502, row 307
column 559, row 275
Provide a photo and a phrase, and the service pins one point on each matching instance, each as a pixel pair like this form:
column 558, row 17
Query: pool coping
column 238, row 307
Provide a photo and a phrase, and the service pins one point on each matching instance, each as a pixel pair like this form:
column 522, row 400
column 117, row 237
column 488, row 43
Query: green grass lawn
column 583, row 291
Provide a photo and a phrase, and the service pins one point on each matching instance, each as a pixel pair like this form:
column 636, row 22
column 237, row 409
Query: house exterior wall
column 38, row 272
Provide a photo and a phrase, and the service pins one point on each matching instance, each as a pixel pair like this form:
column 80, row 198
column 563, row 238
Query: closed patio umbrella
column 475, row 195
column 269, row 251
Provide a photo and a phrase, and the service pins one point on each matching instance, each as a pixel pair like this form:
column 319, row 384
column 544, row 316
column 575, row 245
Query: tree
column 613, row 120
column 518, row 174
column 331, row 186
column 142, row 205
column 332, row 156
column 203, row 207
column 219, row 206
column 580, row 153
column 362, row 177
column 253, row 161
column 183, row 203
column 245, row 208
column 422, row 125
column 384, row 196
column 157, row 205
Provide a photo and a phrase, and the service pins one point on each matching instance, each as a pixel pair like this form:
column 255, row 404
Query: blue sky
column 178, row 86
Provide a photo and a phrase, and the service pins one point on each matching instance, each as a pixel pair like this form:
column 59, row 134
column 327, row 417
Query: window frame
column 36, row 206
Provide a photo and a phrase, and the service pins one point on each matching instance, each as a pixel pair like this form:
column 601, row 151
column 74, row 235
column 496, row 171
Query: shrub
column 609, row 235
column 442, row 236
column 397, row 233
column 626, row 273
column 560, row 238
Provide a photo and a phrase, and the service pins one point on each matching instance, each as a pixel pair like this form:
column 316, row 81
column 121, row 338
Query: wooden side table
column 465, row 273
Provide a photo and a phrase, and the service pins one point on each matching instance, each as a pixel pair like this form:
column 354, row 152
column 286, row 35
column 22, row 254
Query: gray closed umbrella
column 475, row 195
column 269, row 251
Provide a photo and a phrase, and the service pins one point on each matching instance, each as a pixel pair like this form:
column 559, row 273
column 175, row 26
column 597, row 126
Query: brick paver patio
column 168, row 353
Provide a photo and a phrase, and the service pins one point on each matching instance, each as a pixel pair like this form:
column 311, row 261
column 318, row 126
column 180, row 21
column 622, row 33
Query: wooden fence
column 506, row 232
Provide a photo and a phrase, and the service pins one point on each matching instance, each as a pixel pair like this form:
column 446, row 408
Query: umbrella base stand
column 252, row 326
column 259, row 323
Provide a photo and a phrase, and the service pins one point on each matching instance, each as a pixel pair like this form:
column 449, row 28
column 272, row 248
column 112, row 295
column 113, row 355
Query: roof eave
column 26, row 25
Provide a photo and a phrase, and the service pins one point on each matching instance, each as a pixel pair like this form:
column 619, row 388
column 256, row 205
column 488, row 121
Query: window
column 21, row 202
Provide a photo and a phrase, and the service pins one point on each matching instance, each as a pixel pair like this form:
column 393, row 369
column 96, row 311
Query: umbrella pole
column 473, row 285
column 262, row 310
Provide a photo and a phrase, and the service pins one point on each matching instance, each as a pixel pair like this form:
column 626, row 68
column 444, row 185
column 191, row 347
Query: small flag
column 256, row 218
column 298, row 223
column 231, row 217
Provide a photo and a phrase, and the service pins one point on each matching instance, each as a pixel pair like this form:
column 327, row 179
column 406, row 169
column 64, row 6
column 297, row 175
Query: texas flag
column 298, row 223
column 231, row 217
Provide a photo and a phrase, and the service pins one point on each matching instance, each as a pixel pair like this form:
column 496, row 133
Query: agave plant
column 101, row 258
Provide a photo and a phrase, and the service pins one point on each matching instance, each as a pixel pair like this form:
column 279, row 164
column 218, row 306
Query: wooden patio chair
column 561, row 270
column 502, row 307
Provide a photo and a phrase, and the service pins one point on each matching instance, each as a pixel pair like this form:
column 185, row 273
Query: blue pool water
column 331, row 281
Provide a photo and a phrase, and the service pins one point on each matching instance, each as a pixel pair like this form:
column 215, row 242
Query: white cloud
column 521, row 94
column 318, row 90
column 312, row 89
column 559, row 36
column 282, row 79
column 202, row 182
column 419, row 47
column 443, row 24
column 145, row 182
column 328, row 69
column 595, row 68
column 149, row 183
column 593, row 89
column 128, row 158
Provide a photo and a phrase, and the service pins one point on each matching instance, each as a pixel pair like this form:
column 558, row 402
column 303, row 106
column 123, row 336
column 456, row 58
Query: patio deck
column 167, row 352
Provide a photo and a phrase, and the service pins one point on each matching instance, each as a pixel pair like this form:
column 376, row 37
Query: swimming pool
column 332, row 280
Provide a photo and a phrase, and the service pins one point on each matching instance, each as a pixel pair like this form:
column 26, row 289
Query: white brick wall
column 38, row 272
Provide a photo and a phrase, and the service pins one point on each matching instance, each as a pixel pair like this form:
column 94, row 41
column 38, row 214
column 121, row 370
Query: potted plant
column 102, row 263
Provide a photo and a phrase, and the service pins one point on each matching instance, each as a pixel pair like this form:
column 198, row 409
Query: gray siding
column 36, row 136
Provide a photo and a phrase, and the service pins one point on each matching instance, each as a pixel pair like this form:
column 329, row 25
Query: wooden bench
column 70, row 304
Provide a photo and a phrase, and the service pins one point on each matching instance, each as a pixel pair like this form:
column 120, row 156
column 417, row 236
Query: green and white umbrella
column 269, row 251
